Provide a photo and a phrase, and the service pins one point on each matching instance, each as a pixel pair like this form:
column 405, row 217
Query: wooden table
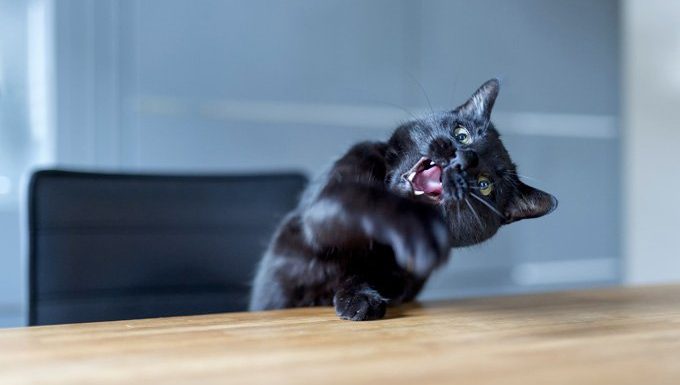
column 613, row 336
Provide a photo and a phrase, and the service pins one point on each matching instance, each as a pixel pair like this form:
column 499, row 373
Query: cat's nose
column 465, row 160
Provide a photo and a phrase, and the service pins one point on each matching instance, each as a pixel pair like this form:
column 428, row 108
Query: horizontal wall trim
column 528, row 277
column 565, row 271
column 372, row 117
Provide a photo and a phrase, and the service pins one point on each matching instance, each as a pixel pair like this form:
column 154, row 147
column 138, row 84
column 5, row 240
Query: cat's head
column 456, row 160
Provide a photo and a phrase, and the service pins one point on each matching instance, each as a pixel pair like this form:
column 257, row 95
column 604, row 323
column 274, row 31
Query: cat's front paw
column 361, row 305
column 420, row 242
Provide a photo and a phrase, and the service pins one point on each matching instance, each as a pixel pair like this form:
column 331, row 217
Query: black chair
column 116, row 246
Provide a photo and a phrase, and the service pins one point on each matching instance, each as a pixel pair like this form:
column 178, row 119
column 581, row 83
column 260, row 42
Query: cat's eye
column 462, row 135
column 485, row 185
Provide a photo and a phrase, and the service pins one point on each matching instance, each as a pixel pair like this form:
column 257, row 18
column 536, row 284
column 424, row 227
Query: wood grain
column 613, row 336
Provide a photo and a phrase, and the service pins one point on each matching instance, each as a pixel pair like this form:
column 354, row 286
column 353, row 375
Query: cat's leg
column 291, row 274
column 268, row 291
column 356, row 300
column 352, row 215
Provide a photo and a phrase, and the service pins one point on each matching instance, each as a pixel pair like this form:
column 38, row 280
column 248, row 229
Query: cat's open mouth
column 425, row 178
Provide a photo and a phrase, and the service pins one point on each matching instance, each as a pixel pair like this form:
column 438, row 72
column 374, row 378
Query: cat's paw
column 420, row 242
column 361, row 305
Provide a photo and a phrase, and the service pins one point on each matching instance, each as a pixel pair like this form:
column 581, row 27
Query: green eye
column 462, row 135
column 484, row 184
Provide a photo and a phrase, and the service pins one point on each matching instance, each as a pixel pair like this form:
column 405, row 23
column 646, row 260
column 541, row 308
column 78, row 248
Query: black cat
column 370, row 232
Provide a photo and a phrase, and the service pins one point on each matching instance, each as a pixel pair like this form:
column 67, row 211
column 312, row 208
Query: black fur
column 361, row 239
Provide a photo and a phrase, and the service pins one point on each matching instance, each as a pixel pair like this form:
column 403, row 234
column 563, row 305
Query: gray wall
column 178, row 85
column 651, row 114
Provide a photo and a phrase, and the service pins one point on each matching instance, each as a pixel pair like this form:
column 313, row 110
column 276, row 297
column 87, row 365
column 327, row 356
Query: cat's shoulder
column 367, row 151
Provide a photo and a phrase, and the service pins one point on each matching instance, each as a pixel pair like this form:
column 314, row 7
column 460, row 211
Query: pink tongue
column 429, row 180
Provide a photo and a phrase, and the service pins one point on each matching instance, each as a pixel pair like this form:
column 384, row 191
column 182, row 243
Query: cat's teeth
column 418, row 192
column 411, row 176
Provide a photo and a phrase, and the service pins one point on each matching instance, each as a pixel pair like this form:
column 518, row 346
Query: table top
column 614, row 336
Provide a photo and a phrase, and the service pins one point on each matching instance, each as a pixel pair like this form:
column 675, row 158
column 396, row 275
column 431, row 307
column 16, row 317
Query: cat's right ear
column 480, row 104
column 529, row 202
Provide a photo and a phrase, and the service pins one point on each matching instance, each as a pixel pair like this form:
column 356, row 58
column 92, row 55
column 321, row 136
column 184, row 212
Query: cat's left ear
column 480, row 104
column 529, row 202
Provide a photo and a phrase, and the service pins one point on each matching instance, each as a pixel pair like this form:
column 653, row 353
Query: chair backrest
column 117, row 246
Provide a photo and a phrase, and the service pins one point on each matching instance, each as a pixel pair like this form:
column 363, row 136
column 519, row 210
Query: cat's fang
column 418, row 192
column 411, row 176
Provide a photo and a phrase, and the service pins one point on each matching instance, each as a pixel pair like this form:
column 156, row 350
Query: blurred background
column 588, row 110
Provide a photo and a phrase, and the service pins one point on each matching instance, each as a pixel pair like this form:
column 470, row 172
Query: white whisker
column 458, row 213
column 523, row 176
column 475, row 213
column 487, row 204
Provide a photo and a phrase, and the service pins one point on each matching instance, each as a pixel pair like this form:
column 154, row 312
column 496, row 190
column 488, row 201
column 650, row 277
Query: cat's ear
column 480, row 104
column 529, row 202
